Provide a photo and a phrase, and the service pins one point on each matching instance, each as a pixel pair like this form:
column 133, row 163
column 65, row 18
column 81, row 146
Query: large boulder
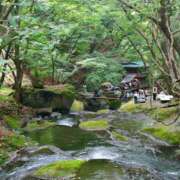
column 59, row 98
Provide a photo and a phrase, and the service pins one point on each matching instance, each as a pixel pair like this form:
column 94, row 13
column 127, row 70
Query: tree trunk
column 19, row 74
column 3, row 75
column 5, row 65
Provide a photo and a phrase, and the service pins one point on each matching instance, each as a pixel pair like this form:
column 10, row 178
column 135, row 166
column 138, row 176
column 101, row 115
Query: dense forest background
column 53, row 41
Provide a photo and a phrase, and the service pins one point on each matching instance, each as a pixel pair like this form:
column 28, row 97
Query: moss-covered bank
column 162, row 116
column 165, row 133
column 10, row 126
column 157, row 113
column 11, row 141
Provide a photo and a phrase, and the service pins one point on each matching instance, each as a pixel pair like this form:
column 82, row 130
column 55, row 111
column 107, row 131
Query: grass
column 63, row 168
column 119, row 136
column 99, row 124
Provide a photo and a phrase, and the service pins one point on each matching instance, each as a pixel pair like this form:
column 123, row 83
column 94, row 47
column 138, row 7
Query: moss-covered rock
column 95, row 125
column 77, row 106
column 132, row 107
column 93, row 104
column 119, row 136
column 165, row 133
column 102, row 111
column 34, row 125
column 57, row 97
column 60, row 169
column 88, row 114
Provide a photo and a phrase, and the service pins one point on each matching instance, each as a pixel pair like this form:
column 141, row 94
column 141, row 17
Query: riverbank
column 116, row 136
column 10, row 122
column 166, row 126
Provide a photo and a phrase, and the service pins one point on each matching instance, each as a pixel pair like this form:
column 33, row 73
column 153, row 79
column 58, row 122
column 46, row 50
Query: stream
column 140, row 158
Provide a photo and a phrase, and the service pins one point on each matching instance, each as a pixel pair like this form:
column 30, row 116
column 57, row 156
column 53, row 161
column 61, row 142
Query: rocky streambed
column 89, row 146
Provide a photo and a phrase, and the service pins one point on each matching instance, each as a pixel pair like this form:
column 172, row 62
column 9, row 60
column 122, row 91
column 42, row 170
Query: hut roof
column 133, row 64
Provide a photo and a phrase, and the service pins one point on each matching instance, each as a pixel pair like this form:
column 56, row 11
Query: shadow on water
column 66, row 138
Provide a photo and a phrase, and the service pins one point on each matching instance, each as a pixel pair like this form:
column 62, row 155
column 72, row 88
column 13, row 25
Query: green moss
column 100, row 124
column 12, row 122
column 119, row 136
column 114, row 104
column 162, row 114
column 66, row 90
column 164, row 133
column 63, row 168
column 131, row 107
column 34, row 125
column 77, row 106
column 102, row 111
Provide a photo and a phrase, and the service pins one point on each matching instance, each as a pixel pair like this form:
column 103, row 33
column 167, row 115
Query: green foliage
column 14, row 141
column 12, row 122
column 103, row 70
column 54, row 35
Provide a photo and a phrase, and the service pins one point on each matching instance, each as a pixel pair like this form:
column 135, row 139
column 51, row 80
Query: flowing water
column 141, row 157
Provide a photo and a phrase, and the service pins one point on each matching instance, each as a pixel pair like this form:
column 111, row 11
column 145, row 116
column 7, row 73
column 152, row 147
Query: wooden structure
column 136, row 76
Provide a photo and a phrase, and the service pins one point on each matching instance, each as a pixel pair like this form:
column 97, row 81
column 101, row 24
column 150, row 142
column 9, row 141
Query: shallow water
column 138, row 158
